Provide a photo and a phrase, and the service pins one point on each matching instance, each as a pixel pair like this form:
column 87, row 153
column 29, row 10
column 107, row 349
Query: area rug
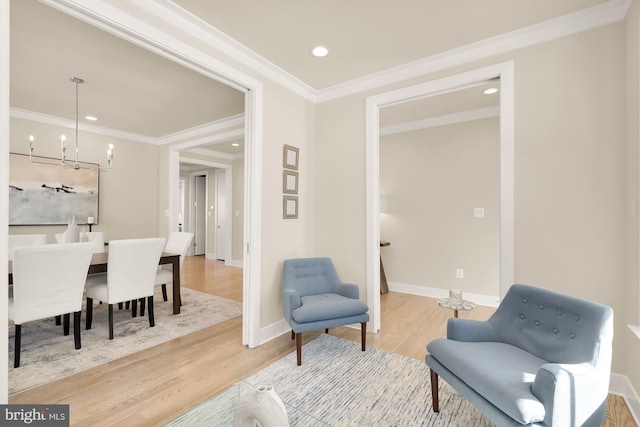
column 339, row 385
column 47, row 354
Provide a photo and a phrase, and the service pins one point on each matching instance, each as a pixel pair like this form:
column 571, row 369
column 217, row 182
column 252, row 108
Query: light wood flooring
column 154, row 386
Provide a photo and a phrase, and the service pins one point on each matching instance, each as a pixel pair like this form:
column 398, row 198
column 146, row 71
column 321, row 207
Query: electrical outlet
column 459, row 273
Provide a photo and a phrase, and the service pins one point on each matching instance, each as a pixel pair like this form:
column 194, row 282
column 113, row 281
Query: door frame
column 503, row 72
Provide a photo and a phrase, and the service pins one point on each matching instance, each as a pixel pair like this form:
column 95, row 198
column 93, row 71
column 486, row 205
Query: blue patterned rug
column 339, row 385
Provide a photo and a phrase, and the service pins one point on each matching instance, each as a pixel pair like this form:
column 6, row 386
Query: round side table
column 456, row 304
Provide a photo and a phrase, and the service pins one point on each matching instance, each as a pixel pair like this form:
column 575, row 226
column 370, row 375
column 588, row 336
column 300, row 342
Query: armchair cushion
column 327, row 306
column 501, row 371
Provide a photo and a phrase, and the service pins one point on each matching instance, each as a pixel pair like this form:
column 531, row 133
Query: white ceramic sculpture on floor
column 261, row 408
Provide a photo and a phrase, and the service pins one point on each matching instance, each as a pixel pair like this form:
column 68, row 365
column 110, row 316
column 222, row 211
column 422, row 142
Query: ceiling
column 133, row 90
column 367, row 36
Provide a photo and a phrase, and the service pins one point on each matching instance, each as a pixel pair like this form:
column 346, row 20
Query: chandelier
column 63, row 144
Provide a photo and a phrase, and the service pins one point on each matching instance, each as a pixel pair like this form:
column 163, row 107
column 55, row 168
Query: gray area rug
column 339, row 385
column 48, row 355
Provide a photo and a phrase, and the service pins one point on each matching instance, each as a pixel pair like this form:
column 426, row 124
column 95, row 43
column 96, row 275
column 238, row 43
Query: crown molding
column 193, row 25
column 71, row 124
column 192, row 137
column 447, row 119
column 592, row 17
column 212, row 127
column 214, row 153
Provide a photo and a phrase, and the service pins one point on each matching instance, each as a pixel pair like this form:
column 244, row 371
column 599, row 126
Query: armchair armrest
column 570, row 392
column 470, row 330
column 348, row 290
column 290, row 301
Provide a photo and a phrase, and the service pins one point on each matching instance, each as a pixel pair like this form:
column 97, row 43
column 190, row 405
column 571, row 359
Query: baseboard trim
column 273, row 331
column 621, row 386
column 425, row 291
column 234, row 263
column 227, row 262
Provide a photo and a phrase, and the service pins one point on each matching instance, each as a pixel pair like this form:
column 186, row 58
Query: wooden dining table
column 100, row 260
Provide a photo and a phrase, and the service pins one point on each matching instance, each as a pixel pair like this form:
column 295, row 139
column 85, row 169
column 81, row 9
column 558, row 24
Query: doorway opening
column 502, row 73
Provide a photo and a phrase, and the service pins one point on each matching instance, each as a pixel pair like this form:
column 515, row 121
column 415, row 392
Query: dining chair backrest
column 16, row 240
column 132, row 267
column 48, row 280
column 178, row 243
column 94, row 237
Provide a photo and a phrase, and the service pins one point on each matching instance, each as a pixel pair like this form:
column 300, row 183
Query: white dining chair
column 178, row 243
column 131, row 271
column 94, row 237
column 48, row 280
column 16, row 240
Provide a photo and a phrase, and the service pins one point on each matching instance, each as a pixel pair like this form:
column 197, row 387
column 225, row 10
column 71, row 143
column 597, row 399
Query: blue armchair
column 542, row 359
column 313, row 298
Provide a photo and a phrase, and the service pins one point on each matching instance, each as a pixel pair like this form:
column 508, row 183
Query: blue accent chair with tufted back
column 314, row 298
column 542, row 359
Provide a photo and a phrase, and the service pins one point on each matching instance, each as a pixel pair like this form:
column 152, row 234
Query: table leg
column 384, row 288
column 455, row 313
column 176, row 285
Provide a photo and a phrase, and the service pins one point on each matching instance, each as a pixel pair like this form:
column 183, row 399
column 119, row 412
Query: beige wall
column 432, row 180
column 128, row 200
column 632, row 298
column 569, row 171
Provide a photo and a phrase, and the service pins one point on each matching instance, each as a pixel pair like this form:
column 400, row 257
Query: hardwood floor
column 154, row 386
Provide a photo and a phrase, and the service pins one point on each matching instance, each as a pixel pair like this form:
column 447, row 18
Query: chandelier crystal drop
column 74, row 164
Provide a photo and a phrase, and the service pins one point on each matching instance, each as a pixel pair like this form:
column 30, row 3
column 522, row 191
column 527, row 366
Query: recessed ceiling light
column 91, row 118
column 319, row 51
column 490, row 91
column 235, row 144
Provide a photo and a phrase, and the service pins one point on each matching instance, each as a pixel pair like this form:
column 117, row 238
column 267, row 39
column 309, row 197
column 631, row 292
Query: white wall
column 569, row 170
column 432, row 180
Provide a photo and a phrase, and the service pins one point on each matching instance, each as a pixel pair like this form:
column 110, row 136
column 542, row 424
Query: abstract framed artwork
column 42, row 192
column 290, row 207
column 290, row 157
column 289, row 182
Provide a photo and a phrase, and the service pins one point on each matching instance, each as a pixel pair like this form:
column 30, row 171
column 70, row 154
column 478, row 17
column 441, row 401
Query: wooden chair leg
column 299, row 347
column 134, row 307
column 326, row 331
column 58, row 320
column 89, row 313
column 152, row 320
column 434, row 391
column 164, row 292
column 363, row 334
column 65, row 324
column 293, row 335
column 110, row 321
column 76, row 329
column 18, row 341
